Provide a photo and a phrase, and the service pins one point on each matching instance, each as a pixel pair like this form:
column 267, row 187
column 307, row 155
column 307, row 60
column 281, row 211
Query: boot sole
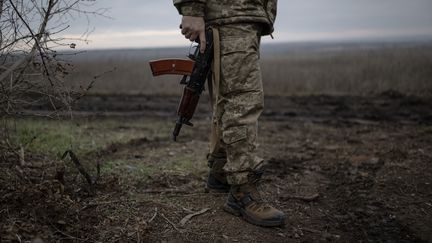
column 238, row 211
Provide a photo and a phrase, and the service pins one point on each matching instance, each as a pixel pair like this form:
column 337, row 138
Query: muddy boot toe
column 243, row 201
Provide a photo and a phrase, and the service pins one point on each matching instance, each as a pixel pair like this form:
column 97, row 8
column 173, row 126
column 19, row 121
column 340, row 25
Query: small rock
column 61, row 222
column 374, row 160
column 37, row 240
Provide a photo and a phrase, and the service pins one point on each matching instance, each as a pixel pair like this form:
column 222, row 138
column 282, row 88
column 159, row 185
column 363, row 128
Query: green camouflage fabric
column 240, row 98
column 240, row 101
column 222, row 12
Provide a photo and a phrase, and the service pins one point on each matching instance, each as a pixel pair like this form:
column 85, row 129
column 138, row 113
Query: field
column 346, row 133
column 288, row 69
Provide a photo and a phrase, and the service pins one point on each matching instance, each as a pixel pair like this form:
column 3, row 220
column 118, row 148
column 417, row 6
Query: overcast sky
column 154, row 23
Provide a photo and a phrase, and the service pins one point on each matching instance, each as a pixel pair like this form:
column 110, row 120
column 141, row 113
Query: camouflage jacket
column 220, row 12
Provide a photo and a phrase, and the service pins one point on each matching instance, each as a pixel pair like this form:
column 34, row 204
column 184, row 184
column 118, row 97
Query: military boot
column 217, row 180
column 245, row 200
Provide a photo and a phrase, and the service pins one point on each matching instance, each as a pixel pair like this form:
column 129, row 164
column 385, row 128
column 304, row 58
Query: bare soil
column 343, row 169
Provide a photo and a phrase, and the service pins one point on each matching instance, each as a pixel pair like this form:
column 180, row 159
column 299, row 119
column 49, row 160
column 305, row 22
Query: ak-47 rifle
column 195, row 72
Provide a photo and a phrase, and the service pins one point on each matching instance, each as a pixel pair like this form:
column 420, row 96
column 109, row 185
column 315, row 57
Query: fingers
column 193, row 28
column 193, row 37
column 190, row 34
column 202, row 39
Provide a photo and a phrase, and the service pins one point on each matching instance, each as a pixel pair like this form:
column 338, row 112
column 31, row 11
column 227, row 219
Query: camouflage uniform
column 240, row 99
column 223, row 12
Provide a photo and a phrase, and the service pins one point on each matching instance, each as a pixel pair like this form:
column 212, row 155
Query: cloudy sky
column 150, row 23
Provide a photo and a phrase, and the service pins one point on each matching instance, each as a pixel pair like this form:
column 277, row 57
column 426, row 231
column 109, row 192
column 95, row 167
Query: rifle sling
column 214, row 86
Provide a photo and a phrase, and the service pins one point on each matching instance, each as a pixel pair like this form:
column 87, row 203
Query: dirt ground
column 343, row 169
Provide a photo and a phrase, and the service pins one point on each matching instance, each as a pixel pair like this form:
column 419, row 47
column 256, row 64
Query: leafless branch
column 31, row 70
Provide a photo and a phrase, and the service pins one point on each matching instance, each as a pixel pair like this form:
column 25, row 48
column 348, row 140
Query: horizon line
column 173, row 38
column 377, row 40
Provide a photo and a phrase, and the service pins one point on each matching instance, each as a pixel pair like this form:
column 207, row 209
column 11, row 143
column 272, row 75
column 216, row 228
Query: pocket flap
column 234, row 134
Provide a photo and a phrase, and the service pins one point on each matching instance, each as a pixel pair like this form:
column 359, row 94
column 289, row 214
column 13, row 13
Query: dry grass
column 338, row 70
column 407, row 70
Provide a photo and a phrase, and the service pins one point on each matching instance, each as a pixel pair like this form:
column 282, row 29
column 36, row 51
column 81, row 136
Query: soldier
column 238, row 98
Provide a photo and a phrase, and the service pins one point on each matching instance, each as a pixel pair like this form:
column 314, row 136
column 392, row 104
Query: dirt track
column 344, row 169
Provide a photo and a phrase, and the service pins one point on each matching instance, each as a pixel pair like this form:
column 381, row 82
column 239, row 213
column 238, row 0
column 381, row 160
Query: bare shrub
column 32, row 72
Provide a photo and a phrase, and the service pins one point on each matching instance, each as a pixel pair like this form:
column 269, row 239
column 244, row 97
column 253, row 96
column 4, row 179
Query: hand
column 193, row 27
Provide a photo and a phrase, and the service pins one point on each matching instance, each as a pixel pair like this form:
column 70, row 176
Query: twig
column 303, row 198
column 311, row 230
column 23, row 174
column 164, row 191
column 37, row 38
column 78, row 165
column 97, row 172
column 67, row 235
column 324, row 233
column 153, row 217
column 189, row 216
column 171, row 223
column 187, row 210
column 22, row 156
column 181, row 193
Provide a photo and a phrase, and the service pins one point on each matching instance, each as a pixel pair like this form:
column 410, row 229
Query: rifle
column 195, row 71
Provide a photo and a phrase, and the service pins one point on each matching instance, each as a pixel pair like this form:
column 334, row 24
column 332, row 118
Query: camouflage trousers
column 238, row 101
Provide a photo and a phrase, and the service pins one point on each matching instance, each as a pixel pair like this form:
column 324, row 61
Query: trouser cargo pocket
column 234, row 134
